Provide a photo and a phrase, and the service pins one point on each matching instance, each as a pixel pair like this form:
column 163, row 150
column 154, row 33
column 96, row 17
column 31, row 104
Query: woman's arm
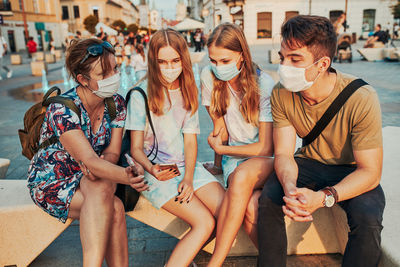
column 112, row 152
column 76, row 144
column 185, row 188
column 264, row 146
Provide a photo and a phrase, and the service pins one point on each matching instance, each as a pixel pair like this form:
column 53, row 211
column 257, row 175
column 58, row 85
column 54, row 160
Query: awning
column 39, row 26
column 188, row 24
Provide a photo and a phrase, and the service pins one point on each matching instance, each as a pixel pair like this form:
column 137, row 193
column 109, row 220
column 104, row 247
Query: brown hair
column 156, row 84
column 231, row 37
column 140, row 50
column 77, row 51
column 315, row 32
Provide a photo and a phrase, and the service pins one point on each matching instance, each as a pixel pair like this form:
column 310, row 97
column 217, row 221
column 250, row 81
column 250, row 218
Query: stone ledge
column 371, row 54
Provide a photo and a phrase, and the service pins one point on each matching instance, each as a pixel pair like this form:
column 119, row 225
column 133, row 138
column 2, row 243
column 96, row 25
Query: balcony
column 5, row 8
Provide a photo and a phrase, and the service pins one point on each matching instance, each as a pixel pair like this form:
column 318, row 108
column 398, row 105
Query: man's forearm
column 286, row 169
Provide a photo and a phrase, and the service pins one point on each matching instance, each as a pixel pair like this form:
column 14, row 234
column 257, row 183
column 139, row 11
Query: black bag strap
column 128, row 97
column 332, row 110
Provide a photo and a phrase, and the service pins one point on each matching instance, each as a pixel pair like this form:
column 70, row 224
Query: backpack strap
column 128, row 97
column 332, row 110
column 112, row 109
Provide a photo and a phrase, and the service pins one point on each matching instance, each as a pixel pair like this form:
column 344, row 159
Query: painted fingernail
column 181, row 202
column 179, row 193
column 176, row 199
column 146, row 182
column 187, row 201
column 170, row 169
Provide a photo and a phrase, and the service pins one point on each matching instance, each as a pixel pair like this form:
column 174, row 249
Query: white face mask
column 170, row 75
column 294, row 79
column 108, row 87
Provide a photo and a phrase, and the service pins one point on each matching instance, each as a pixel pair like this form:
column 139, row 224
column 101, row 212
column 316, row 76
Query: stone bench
column 391, row 53
column 371, row 54
column 16, row 59
column 4, row 163
column 25, row 229
column 50, row 58
column 37, row 67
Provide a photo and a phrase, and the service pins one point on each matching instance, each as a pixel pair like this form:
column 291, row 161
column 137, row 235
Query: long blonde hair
column 231, row 37
column 156, row 84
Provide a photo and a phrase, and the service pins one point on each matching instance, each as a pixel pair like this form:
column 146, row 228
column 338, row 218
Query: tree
column 133, row 28
column 90, row 23
column 396, row 10
column 119, row 25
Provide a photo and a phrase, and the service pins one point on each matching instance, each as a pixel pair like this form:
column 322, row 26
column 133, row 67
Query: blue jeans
column 364, row 214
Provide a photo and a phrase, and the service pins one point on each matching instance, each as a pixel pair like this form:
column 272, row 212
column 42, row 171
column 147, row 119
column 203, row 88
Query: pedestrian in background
column 32, row 47
column 3, row 52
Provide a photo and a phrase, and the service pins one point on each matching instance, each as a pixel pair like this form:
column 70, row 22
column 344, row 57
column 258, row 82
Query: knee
column 100, row 189
column 241, row 182
column 206, row 225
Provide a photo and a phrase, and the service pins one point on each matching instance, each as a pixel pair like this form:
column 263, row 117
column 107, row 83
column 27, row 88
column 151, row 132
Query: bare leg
column 211, row 195
column 247, row 176
column 93, row 205
column 202, row 224
column 117, row 248
column 250, row 219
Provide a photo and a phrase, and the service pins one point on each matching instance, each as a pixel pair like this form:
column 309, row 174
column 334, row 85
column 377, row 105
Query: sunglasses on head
column 96, row 50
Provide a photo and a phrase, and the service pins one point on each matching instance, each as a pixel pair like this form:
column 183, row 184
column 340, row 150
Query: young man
column 378, row 39
column 342, row 165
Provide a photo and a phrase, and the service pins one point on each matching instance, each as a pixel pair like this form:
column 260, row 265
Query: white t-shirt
column 2, row 42
column 138, row 63
column 169, row 127
column 240, row 132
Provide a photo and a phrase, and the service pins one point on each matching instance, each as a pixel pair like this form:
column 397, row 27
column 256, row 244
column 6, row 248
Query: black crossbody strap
column 332, row 110
column 141, row 91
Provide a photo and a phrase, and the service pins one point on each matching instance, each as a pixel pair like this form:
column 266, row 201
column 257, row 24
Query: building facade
column 73, row 12
column 261, row 20
column 42, row 22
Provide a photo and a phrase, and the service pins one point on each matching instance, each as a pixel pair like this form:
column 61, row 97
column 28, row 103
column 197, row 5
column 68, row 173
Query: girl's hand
column 162, row 175
column 185, row 191
column 215, row 142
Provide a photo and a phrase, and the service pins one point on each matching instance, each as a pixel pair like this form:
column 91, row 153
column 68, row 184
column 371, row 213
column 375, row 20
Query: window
column 65, row 14
column 76, row 12
column 264, row 25
column 368, row 20
column 290, row 14
column 21, row 4
column 47, row 5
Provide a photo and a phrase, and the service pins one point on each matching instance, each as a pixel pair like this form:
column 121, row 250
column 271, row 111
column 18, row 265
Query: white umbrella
column 189, row 24
column 106, row 29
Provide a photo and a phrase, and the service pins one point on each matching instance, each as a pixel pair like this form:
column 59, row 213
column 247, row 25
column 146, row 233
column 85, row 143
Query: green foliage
column 396, row 10
column 90, row 23
column 119, row 25
column 132, row 28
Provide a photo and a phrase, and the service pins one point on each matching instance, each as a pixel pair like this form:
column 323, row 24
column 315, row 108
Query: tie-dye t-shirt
column 240, row 132
column 169, row 127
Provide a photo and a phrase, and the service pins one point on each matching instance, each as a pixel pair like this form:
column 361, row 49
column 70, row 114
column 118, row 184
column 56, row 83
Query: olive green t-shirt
column 357, row 125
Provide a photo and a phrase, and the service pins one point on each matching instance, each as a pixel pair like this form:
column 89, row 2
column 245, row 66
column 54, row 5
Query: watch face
column 329, row 201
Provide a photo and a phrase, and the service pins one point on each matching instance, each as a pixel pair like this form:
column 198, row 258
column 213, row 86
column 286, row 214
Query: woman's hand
column 162, row 175
column 185, row 190
column 136, row 178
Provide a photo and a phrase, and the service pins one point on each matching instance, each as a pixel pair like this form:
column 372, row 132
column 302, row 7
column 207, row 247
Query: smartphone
column 173, row 167
column 131, row 163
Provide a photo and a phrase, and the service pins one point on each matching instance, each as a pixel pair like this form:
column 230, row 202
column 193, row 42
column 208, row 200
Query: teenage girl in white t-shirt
column 194, row 195
column 236, row 94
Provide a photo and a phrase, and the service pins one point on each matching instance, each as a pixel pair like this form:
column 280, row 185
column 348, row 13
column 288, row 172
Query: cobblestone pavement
column 147, row 246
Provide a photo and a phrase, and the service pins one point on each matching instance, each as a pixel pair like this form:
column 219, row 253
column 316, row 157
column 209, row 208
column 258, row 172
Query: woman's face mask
column 226, row 72
column 108, row 86
column 170, row 75
column 294, row 78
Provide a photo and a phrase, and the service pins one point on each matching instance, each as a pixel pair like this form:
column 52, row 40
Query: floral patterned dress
column 53, row 175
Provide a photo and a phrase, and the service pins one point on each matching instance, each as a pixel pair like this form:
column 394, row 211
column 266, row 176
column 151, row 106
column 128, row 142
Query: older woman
column 75, row 176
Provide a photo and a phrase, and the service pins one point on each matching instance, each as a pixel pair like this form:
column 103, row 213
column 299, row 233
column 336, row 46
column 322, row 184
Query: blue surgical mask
column 226, row 72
